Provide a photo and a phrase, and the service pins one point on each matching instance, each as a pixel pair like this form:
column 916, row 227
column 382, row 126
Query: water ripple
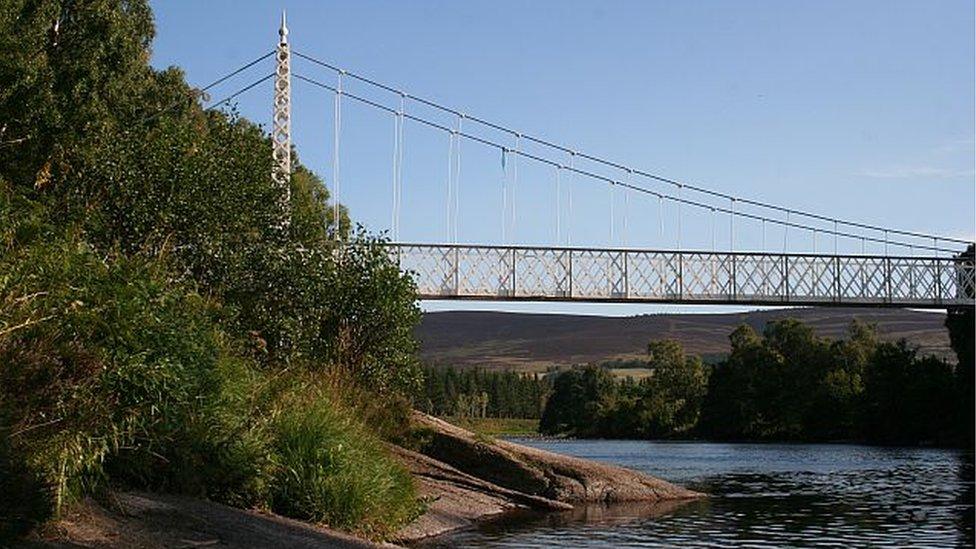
column 761, row 496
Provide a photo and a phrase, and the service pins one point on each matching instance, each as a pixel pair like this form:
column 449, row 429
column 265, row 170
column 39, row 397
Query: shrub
column 108, row 367
column 332, row 470
column 368, row 317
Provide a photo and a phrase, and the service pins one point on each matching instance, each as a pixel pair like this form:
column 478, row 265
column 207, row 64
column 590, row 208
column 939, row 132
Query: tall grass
column 331, row 469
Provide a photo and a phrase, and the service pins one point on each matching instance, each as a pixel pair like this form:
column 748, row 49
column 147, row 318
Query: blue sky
column 861, row 110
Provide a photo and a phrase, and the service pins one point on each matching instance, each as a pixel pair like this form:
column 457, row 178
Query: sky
column 857, row 110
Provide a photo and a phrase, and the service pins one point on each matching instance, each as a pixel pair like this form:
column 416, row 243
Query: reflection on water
column 761, row 495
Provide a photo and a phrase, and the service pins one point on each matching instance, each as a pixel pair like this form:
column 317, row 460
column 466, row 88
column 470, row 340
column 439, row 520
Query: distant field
column 535, row 342
column 636, row 373
column 495, row 426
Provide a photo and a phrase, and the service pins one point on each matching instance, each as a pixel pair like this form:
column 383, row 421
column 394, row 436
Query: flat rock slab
column 152, row 521
column 456, row 500
column 538, row 472
column 467, row 479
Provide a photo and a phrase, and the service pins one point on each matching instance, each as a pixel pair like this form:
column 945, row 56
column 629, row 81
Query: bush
column 330, row 469
column 368, row 316
column 113, row 375
column 108, row 367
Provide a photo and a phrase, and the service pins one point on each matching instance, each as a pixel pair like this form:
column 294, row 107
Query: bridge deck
column 519, row 273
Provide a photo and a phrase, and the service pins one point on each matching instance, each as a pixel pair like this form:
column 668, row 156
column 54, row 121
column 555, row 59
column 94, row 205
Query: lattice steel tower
column 281, row 124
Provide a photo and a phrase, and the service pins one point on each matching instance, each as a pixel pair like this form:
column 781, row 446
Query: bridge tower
column 281, row 122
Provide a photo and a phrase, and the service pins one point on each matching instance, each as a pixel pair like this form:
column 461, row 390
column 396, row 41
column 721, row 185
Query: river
column 762, row 495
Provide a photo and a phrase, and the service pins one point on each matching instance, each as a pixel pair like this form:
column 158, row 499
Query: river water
column 762, row 495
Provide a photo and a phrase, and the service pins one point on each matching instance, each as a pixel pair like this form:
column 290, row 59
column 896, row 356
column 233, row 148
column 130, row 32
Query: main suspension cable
column 615, row 165
column 214, row 84
column 239, row 92
column 679, row 199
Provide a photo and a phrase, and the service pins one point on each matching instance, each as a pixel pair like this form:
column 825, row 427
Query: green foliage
column 105, row 364
column 589, row 402
column 26, row 500
column 69, row 72
column 312, row 217
column 905, row 397
column 369, row 316
column 113, row 374
column 153, row 304
column 331, row 470
column 580, row 398
column 222, row 451
column 498, row 427
column 763, row 390
column 786, row 384
column 479, row 392
column 790, row 385
column 961, row 323
column 673, row 395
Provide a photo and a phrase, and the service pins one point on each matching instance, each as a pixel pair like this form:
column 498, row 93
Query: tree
column 672, row 399
column 740, row 389
column 73, row 73
column 580, row 398
column 834, row 415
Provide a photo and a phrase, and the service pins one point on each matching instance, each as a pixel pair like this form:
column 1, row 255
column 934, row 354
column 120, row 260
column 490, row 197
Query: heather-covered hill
column 536, row 341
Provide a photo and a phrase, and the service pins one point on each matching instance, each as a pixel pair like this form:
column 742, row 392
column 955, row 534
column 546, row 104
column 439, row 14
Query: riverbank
column 463, row 478
column 498, row 426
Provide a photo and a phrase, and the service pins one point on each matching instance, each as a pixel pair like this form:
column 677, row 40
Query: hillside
column 535, row 341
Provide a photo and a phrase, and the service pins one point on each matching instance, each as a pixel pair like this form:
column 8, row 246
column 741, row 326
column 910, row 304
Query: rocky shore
column 138, row 520
column 463, row 477
column 467, row 478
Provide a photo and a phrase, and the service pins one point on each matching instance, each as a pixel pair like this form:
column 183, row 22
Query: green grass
column 635, row 373
column 333, row 470
column 496, row 427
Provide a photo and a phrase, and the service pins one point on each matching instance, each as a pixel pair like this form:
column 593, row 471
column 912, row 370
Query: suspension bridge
column 915, row 269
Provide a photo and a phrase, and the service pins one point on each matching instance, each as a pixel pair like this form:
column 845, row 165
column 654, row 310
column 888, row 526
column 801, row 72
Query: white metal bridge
column 517, row 273
column 930, row 271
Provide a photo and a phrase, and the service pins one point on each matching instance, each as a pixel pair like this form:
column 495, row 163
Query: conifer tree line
column 478, row 392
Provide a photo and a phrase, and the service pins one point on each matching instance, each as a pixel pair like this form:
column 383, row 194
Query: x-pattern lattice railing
column 578, row 274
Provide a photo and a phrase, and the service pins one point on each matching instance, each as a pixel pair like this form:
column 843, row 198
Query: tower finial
column 283, row 31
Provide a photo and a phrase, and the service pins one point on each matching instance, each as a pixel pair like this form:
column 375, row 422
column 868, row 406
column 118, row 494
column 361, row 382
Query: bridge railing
column 445, row 271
